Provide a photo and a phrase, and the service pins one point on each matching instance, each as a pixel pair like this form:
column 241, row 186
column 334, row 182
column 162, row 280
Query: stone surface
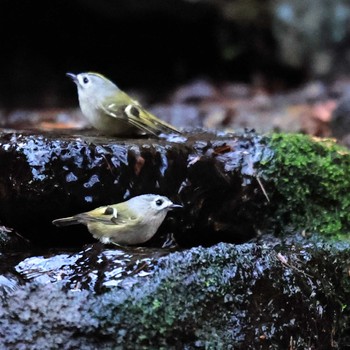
column 268, row 295
column 44, row 176
column 234, row 187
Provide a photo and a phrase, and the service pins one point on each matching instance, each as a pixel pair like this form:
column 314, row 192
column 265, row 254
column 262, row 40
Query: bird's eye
column 159, row 202
column 108, row 211
column 85, row 80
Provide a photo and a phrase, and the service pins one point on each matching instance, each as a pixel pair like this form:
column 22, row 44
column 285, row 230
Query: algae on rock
column 245, row 296
column 311, row 177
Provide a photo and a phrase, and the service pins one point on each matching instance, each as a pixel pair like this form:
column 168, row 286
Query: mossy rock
column 311, row 177
column 232, row 186
column 249, row 296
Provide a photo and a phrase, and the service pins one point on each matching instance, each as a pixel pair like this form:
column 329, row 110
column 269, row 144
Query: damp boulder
column 232, row 186
column 246, row 296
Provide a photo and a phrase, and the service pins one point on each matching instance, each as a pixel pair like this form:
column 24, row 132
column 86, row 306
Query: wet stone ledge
column 277, row 291
column 44, row 176
column 292, row 295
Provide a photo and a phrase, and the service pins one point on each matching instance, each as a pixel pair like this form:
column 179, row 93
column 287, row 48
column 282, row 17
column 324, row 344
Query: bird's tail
column 66, row 221
column 147, row 122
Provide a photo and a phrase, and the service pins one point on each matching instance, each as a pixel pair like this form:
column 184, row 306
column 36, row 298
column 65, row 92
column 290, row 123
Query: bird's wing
column 108, row 215
column 121, row 106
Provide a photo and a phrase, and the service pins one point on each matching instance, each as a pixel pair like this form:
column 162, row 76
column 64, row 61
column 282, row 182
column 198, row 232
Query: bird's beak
column 173, row 206
column 73, row 77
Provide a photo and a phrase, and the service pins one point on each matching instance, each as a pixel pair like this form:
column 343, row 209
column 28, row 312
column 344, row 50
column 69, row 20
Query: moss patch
column 240, row 296
column 312, row 184
column 268, row 296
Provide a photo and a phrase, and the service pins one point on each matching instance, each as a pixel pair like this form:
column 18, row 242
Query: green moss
column 312, row 183
column 227, row 296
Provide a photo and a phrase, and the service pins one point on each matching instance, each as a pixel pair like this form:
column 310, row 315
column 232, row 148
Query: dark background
column 151, row 44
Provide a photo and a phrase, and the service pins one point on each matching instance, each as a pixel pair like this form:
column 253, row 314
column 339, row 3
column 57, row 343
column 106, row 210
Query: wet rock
column 232, row 186
column 245, row 297
column 10, row 240
column 44, row 176
column 11, row 244
column 96, row 268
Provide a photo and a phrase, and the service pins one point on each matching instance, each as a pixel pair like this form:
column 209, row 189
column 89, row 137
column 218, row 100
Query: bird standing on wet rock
column 134, row 221
column 112, row 111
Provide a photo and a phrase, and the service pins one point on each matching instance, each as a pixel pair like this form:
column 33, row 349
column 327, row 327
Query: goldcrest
column 112, row 111
column 134, row 221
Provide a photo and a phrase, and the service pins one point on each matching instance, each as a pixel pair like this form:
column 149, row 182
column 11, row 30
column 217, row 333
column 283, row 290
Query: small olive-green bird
column 132, row 222
column 112, row 111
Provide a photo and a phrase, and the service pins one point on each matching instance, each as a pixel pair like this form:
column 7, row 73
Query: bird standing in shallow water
column 134, row 221
column 112, row 111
